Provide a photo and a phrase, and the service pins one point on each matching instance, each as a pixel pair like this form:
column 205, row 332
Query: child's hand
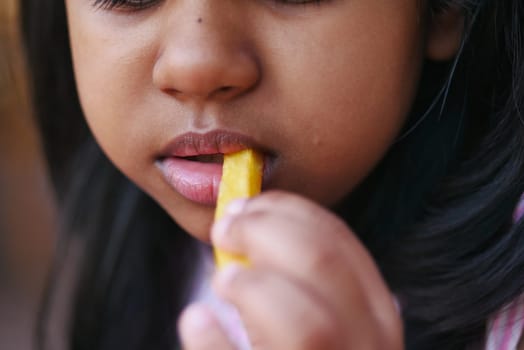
column 311, row 285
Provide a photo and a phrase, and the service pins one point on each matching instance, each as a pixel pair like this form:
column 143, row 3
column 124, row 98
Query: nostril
column 225, row 89
column 173, row 92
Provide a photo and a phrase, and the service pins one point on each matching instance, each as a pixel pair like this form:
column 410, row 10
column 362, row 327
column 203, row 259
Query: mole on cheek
column 199, row 20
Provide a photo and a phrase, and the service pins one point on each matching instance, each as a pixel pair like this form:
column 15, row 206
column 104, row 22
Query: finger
column 302, row 240
column 287, row 203
column 336, row 254
column 200, row 330
column 279, row 313
column 314, row 247
column 279, row 216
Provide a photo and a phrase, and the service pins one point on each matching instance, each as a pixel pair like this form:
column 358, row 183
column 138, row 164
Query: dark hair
column 436, row 212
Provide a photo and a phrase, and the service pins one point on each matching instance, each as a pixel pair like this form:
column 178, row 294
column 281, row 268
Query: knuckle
column 321, row 334
column 245, row 222
column 272, row 198
column 324, row 258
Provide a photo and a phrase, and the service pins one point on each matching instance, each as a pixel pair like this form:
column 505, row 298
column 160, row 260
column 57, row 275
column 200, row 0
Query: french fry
column 241, row 178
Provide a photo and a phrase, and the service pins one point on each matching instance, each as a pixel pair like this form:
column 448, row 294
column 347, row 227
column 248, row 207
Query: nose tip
column 205, row 72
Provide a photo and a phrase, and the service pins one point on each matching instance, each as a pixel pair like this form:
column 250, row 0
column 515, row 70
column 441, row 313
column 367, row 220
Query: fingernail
column 236, row 206
column 220, row 228
column 227, row 274
column 197, row 317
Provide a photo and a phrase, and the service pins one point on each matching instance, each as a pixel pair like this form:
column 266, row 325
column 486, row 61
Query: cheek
column 114, row 82
column 113, row 75
column 347, row 106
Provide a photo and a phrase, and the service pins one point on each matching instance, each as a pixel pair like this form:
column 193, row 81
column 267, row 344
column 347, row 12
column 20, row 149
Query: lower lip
column 195, row 181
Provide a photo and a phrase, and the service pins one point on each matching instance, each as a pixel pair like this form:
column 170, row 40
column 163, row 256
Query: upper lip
column 213, row 142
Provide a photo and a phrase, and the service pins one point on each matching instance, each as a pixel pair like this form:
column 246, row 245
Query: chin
column 196, row 222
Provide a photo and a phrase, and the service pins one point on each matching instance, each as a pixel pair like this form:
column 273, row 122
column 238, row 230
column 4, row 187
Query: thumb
column 199, row 329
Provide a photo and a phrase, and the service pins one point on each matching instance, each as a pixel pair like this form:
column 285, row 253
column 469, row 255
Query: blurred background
column 26, row 203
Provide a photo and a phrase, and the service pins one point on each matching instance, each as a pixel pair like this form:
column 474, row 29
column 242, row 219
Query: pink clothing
column 226, row 314
column 505, row 328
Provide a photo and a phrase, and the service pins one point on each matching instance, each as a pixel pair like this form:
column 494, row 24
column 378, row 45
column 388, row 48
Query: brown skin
column 325, row 86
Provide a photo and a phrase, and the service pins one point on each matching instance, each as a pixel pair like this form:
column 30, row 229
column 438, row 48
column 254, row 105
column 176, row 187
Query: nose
column 206, row 58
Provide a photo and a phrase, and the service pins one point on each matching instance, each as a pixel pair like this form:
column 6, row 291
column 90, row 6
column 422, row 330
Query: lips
column 192, row 163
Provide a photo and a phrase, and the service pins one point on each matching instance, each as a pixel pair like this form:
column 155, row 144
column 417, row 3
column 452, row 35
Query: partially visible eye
column 299, row 2
column 124, row 4
column 141, row 4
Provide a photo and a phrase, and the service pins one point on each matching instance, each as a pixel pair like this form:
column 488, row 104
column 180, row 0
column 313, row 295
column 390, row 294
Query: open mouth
column 197, row 177
column 217, row 158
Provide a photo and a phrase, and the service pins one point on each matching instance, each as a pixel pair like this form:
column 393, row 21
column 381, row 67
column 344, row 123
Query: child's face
column 322, row 88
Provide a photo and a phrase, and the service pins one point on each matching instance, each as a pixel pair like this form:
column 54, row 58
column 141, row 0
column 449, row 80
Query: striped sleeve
column 506, row 327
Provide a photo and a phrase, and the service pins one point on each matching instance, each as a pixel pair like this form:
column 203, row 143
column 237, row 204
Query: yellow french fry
column 241, row 178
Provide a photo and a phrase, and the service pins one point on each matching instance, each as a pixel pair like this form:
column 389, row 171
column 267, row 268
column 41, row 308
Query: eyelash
column 135, row 5
column 124, row 4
